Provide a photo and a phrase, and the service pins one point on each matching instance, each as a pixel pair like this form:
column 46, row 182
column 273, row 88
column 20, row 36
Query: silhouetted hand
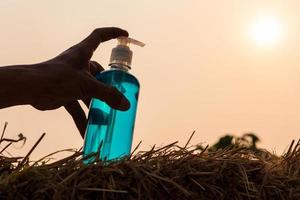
column 69, row 77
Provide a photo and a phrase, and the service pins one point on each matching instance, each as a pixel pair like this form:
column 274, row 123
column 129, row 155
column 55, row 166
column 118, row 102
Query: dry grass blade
column 134, row 150
column 31, row 150
column 103, row 190
column 51, row 154
column 187, row 143
column 5, row 147
column 4, row 128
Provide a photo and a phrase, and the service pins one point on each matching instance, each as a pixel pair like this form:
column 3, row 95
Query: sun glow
column 266, row 31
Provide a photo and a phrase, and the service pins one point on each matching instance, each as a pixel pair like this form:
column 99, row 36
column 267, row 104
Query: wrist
column 18, row 85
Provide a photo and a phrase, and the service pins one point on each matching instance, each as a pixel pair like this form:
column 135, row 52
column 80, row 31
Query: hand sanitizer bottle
column 110, row 131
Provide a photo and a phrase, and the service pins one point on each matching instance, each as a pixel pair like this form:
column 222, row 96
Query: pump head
column 121, row 55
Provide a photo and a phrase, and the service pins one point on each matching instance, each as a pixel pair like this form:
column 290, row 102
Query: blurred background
column 215, row 67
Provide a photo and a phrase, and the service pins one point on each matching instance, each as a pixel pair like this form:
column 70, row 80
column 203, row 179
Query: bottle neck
column 120, row 67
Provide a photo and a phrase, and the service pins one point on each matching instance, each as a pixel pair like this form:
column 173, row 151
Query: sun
column 266, row 31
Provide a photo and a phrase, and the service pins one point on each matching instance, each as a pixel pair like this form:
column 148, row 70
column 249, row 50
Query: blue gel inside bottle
column 110, row 130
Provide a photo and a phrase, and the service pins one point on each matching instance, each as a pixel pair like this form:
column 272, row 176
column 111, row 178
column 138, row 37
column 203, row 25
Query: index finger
column 103, row 34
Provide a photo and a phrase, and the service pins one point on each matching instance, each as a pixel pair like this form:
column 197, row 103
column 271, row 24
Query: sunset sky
column 215, row 67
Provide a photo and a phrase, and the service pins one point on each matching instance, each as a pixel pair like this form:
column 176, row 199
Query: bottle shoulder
column 116, row 73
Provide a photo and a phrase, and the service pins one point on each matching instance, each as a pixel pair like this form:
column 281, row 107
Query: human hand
column 69, row 77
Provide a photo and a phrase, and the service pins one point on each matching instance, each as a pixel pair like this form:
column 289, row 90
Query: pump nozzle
column 121, row 55
column 125, row 41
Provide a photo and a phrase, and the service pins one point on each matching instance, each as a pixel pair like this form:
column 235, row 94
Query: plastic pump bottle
column 110, row 131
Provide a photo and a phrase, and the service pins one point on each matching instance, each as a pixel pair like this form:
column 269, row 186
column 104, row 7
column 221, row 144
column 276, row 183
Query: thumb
column 108, row 94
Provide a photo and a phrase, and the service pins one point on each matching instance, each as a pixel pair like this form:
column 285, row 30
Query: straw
column 168, row 172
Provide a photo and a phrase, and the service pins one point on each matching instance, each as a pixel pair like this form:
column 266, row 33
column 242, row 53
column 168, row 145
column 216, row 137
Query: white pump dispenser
column 121, row 55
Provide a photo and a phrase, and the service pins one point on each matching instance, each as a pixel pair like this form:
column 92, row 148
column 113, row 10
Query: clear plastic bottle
column 109, row 129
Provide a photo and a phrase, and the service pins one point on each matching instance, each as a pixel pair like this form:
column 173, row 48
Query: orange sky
column 200, row 70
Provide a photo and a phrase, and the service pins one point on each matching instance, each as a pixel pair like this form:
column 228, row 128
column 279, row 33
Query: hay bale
column 170, row 172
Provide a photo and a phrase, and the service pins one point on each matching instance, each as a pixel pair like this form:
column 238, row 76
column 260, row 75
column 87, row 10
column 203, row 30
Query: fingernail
column 125, row 33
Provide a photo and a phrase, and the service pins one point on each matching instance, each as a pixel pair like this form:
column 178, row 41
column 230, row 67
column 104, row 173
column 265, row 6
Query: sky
column 201, row 69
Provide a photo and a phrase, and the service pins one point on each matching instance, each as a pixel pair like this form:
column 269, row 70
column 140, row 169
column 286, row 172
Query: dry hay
column 170, row 172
